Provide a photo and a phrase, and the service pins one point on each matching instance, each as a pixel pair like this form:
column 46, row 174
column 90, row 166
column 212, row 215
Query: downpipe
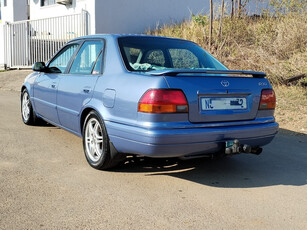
column 238, row 148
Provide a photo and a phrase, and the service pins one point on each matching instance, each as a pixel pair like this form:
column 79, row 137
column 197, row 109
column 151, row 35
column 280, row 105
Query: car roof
column 115, row 36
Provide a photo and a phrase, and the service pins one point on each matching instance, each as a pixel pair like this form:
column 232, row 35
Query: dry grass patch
column 291, row 109
column 275, row 45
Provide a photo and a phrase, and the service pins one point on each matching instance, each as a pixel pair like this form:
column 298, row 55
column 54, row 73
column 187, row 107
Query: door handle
column 86, row 90
column 54, row 85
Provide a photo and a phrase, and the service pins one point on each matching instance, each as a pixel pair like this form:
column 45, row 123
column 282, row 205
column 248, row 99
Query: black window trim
column 102, row 61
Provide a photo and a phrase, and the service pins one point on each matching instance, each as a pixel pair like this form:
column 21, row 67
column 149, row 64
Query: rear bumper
column 186, row 141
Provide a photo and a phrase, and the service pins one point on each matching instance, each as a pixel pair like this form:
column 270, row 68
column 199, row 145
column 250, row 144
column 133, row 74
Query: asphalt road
column 46, row 183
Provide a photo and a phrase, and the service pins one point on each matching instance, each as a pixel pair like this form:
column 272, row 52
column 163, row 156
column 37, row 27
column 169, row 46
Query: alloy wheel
column 26, row 107
column 94, row 140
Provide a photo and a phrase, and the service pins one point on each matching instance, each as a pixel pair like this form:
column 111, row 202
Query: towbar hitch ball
column 236, row 148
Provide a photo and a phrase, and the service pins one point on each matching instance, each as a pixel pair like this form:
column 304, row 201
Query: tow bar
column 234, row 147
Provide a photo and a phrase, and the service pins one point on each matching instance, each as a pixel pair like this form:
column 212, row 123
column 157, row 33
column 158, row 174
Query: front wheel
column 96, row 142
column 27, row 113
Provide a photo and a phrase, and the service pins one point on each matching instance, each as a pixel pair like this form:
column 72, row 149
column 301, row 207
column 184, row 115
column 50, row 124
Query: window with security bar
column 47, row 2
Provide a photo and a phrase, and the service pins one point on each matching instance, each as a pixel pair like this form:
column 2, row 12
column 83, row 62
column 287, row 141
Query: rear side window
column 98, row 65
column 86, row 58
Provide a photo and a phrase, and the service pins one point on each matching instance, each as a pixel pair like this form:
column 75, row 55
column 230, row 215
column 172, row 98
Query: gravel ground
column 12, row 80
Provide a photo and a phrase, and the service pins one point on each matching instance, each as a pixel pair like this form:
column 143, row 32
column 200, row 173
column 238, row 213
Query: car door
column 76, row 88
column 46, row 85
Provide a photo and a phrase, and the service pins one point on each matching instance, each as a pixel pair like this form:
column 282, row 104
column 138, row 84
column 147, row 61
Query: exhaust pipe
column 256, row 151
column 247, row 148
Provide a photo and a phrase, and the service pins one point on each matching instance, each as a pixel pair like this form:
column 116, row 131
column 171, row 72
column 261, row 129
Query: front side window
column 60, row 62
column 155, row 53
column 86, row 58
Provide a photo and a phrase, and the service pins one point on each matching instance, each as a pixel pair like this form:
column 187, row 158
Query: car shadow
column 283, row 162
column 45, row 124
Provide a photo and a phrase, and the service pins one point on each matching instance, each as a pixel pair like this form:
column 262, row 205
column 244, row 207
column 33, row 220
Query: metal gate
column 27, row 42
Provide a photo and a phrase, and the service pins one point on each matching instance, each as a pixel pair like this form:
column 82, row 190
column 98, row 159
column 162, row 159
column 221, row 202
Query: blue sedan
column 149, row 96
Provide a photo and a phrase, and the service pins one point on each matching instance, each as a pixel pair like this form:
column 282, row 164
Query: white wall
column 15, row 10
column 1, row 47
column 136, row 16
column 39, row 12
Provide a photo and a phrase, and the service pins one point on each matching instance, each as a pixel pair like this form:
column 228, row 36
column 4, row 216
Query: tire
column 96, row 143
column 27, row 113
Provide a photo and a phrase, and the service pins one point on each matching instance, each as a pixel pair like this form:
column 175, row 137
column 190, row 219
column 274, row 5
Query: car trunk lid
column 218, row 96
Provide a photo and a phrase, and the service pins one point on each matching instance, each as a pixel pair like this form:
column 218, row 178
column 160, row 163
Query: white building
column 102, row 16
column 120, row 16
column 32, row 30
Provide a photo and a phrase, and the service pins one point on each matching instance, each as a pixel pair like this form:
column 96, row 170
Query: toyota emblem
column 225, row 83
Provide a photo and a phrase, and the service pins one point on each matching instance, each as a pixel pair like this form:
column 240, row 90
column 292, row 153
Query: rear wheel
column 96, row 143
column 27, row 113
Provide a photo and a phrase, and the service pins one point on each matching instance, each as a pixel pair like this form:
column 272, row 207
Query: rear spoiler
column 175, row 72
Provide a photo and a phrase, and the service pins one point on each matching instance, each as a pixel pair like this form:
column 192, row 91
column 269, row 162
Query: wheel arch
column 84, row 114
column 27, row 87
column 22, row 88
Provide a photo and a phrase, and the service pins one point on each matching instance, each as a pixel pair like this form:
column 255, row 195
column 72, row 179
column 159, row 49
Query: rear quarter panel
column 117, row 96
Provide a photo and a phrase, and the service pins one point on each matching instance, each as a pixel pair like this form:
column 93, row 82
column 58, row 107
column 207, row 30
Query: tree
column 211, row 24
column 239, row 8
column 221, row 18
column 232, row 8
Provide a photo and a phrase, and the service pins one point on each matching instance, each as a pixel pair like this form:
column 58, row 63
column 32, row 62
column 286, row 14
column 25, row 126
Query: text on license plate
column 223, row 103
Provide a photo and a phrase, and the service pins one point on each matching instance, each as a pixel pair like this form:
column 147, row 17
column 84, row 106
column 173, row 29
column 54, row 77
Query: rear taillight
column 163, row 101
column 268, row 99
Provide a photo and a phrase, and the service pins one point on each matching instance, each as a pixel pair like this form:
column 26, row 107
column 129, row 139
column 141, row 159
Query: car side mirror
column 39, row 66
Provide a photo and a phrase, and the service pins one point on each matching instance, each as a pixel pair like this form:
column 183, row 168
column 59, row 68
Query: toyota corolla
column 149, row 96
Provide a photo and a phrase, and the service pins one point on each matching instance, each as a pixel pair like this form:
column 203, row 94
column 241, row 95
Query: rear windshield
column 155, row 53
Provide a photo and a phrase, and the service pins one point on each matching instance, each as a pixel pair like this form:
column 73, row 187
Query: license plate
column 223, row 103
